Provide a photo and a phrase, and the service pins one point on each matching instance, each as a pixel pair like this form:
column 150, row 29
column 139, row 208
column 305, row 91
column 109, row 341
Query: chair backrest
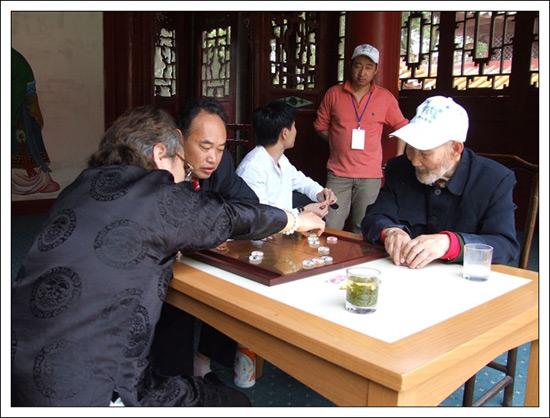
column 240, row 140
column 516, row 163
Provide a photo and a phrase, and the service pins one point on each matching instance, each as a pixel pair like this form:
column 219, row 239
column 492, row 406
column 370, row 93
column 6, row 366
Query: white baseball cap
column 368, row 51
column 438, row 120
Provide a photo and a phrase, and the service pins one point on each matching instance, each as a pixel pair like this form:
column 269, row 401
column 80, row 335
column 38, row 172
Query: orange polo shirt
column 337, row 115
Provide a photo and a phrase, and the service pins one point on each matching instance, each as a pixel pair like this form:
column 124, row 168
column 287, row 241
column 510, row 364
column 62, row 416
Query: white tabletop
column 409, row 300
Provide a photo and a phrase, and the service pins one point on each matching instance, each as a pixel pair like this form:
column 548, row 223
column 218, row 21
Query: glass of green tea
column 362, row 289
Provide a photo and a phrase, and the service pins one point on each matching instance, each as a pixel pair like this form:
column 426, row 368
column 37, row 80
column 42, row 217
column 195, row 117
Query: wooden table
column 352, row 369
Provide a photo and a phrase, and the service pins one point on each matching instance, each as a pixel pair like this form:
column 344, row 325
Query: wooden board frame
column 283, row 256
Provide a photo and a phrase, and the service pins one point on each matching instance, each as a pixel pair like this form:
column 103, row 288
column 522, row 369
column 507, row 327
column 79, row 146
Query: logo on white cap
column 367, row 50
column 438, row 120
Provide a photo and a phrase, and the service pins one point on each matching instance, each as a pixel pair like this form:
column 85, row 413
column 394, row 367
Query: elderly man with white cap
column 440, row 195
column 351, row 118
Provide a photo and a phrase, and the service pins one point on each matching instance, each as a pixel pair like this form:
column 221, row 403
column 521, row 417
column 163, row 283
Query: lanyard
column 355, row 108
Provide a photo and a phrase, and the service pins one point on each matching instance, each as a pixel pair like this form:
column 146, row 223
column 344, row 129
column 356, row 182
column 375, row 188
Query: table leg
column 532, row 389
column 259, row 366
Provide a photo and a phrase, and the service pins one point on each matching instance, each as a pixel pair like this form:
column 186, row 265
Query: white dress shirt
column 272, row 183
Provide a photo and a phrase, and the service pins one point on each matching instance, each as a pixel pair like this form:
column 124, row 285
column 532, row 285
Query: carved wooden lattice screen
column 216, row 59
column 483, row 50
column 482, row 54
column 341, row 46
column 419, row 50
column 293, row 54
column 534, row 66
column 165, row 55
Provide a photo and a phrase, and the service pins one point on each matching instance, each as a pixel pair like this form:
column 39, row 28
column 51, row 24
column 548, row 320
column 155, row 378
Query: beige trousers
column 354, row 195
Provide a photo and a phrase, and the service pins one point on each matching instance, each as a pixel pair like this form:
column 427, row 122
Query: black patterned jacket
column 88, row 296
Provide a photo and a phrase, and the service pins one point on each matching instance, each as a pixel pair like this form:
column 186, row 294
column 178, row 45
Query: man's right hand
column 318, row 208
column 395, row 239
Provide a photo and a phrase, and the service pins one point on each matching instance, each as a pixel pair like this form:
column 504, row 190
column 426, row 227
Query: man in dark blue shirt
column 440, row 195
column 202, row 123
column 227, row 183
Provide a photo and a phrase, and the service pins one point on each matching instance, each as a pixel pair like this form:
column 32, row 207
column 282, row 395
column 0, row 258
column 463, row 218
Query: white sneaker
column 117, row 402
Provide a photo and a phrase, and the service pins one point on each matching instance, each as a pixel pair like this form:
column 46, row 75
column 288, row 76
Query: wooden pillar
column 383, row 31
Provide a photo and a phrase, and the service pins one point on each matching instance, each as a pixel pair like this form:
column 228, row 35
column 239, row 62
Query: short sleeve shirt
column 337, row 115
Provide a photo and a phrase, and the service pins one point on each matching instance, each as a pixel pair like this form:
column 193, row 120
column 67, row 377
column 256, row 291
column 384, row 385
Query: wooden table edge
column 399, row 382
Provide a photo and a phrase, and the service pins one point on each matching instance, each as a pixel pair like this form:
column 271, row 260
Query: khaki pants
column 353, row 194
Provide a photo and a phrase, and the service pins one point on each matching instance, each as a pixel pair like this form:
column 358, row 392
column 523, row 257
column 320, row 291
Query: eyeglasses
column 188, row 168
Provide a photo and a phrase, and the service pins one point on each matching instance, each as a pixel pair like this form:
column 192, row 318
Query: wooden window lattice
column 483, row 50
column 341, row 46
column 419, row 50
column 293, row 54
column 216, row 59
column 534, row 65
column 165, row 56
column 482, row 56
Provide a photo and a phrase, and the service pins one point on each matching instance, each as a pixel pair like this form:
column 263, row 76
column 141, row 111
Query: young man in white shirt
column 269, row 172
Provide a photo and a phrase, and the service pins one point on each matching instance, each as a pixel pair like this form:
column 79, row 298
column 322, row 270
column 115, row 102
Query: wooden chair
column 507, row 382
column 240, row 140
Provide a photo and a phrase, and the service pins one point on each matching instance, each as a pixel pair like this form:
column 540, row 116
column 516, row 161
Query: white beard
column 430, row 177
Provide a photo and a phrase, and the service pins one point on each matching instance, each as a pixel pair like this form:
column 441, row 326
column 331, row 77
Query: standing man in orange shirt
column 351, row 118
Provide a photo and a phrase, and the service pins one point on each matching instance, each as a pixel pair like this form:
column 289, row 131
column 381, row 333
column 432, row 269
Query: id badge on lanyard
column 358, row 139
column 358, row 135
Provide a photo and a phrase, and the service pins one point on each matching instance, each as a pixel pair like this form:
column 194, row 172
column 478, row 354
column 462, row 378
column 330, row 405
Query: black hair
column 270, row 119
column 193, row 107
